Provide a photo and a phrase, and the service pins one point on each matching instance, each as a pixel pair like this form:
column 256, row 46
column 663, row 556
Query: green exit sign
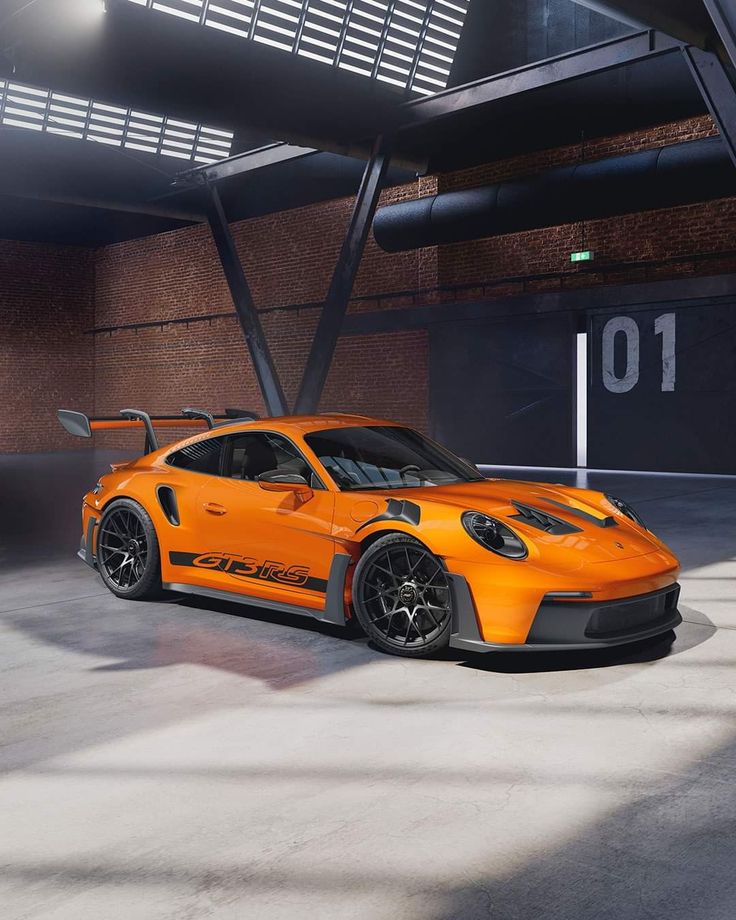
column 586, row 256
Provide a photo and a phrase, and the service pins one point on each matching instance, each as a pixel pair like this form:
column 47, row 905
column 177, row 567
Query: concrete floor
column 193, row 759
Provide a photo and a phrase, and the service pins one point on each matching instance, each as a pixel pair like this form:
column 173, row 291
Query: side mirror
column 275, row 481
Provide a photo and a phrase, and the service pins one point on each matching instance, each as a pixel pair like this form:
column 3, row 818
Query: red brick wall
column 46, row 362
column 652, row 236
column 288, row 258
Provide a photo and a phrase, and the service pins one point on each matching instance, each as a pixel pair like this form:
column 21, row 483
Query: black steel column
column 268, row 379
column 723, row 14
column 343, row 278
column 718, row 92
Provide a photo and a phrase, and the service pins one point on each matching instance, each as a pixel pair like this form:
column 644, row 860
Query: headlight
column 494, row 535
column 627, row 510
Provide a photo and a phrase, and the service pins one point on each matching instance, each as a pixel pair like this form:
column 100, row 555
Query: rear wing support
column 83, row 426
column 202, row 414
column 139, row 415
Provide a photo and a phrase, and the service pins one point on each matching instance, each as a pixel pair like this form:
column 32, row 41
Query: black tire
column 127, row 555
column 402, row 597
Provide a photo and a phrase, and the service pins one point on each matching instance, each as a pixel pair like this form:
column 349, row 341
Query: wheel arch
column 119, row 496
column 373, row 536
column 110, row 501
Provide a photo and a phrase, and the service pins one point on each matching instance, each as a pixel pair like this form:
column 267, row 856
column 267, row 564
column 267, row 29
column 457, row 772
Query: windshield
column 387, row 457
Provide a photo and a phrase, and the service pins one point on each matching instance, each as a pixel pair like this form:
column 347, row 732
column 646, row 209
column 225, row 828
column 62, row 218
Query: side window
column 200, row 457
column 252, row 453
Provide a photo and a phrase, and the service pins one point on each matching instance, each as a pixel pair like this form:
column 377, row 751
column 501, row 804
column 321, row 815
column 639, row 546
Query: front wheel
column 402, row 597
column 127, row 551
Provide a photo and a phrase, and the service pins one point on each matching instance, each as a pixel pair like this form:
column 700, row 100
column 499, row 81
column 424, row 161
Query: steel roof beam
column 341, row 287
column 250, row 323
column 143, row 208
column 723, row 14
column 244, row 162
column 558, row 70
column 683, row 19
column 718, row 92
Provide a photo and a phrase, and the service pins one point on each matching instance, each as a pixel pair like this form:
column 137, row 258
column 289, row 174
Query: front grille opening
column 632, row 616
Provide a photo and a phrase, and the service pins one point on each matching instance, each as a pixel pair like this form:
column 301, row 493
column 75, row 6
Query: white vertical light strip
column 581, row 378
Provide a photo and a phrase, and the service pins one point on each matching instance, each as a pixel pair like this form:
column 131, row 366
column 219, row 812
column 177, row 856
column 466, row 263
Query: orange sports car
column 339, row 517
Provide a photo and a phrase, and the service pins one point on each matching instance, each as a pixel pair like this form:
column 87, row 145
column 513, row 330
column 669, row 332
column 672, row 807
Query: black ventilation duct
column 671, row 176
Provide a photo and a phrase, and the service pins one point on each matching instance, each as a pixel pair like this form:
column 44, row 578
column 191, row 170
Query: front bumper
column 565, row 626
column 87, row 543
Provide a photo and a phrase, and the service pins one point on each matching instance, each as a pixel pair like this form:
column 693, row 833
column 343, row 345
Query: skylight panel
column 37, row 109
column 354, row 35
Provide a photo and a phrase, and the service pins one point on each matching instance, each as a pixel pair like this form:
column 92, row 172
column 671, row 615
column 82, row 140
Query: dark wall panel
column 663, row 389
column 503, row 392
column 501, row 35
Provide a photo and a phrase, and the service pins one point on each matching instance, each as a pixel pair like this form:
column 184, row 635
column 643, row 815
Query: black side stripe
column 288, row 576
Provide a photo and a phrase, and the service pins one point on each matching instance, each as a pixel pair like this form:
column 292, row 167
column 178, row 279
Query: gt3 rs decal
column 294, row 576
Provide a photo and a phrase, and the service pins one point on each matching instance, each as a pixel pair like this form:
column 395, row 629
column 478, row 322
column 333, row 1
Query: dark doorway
column 503, row 392
column 662, row 389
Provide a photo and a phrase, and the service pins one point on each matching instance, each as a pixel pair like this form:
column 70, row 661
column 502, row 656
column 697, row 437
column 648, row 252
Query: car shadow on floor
column 585, row 659
column 512, row 662
column 247, row 612
column 646, row 650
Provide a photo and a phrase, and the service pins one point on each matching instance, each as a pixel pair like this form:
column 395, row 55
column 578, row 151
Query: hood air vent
column 543, row 521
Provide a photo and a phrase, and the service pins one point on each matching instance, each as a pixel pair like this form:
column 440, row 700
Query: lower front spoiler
column 565, row 627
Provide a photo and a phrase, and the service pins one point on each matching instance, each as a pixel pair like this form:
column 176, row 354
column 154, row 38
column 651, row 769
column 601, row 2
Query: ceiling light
column 23, row 106
column 425, row 28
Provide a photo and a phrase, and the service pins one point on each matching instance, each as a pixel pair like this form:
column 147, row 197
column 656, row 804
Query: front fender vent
column 533, row 517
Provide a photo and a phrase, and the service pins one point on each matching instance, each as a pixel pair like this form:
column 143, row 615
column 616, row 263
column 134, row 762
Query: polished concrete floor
column 192, row 759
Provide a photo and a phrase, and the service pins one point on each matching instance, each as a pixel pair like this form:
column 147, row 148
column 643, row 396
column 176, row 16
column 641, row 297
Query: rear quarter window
column 200, row 457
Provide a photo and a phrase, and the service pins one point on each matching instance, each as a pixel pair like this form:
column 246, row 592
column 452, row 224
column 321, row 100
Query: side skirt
column 334, row 610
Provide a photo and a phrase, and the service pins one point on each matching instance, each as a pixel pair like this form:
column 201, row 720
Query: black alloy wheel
column 127, row 551
column 402, row 597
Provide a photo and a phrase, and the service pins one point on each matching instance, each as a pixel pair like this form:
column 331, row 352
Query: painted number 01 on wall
column 665, row 326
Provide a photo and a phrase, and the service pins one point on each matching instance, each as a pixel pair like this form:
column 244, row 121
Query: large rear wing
column 83, row 426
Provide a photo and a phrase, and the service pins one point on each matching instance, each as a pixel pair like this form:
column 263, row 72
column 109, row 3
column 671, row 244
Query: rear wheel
column 402, row 597
column 127, row 551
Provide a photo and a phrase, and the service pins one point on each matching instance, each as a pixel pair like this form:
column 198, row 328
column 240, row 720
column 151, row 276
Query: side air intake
column 169, row 504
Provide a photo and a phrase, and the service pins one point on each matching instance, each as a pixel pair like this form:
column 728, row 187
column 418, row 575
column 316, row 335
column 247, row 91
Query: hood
column 601, row 531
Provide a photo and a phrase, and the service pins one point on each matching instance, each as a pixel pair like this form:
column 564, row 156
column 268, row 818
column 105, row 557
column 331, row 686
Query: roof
column 289, row 425
column 306, row 424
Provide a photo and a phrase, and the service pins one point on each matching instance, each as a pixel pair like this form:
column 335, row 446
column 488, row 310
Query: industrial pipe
column 668, row 177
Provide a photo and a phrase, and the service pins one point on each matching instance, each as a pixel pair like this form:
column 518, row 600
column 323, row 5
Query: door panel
column 179, row 538
column 662, row 391
column 264, row 544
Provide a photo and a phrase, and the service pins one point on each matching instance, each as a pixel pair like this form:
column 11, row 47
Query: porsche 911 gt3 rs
column 346, row 518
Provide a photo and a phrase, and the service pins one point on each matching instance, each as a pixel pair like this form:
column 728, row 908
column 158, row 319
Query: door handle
column 214, row 508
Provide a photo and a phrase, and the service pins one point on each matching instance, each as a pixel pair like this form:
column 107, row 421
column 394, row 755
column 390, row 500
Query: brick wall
column 288, row 258
column 624, row 246
column 46, row 302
